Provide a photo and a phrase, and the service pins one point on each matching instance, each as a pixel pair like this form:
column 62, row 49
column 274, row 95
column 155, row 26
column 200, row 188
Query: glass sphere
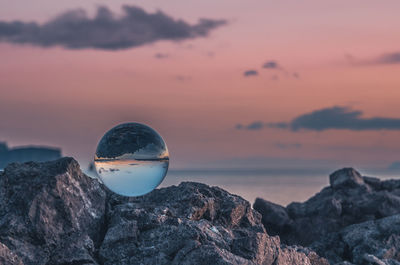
column 131, row 159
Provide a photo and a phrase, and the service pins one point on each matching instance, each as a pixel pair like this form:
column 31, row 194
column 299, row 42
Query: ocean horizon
column 281, row 186
column 278, row 185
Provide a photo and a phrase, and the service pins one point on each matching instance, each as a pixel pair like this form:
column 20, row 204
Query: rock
column 7, row 257
column 372, row 242
column 313, row 258
column 51, row 213
column 355, row 219
column 274, row 216
column 190, row 224
column 346, row 177
column 45, row 206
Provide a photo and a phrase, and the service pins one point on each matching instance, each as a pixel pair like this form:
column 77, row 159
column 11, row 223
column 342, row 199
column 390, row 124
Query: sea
column 278, row 186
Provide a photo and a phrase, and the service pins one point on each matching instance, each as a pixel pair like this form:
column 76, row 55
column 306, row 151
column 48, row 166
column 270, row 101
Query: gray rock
column 373, row 242
column 345, row 177
column 51, row 213
column 191, row 224
column 7, row 257
column 354, row 220
column 274, row 217
column 48, row 208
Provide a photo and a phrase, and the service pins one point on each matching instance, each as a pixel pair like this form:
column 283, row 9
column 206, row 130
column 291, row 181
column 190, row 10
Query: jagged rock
column 346, row 177
column 7, row 257
column 343, row 222
column 274, row 216
column 373, row 242
column 49, row 210
column 190, row 224
column 51, row 213
column 314, row 259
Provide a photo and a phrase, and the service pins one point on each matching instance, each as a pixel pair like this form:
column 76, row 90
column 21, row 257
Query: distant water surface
column 282, row 187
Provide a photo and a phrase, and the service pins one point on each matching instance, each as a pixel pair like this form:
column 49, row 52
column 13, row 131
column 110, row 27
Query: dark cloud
column 257, row 125
column 389, row 58
column 250, row 73
column 338, row 118
column 75, row 30
column 161, row 55
column 280, row 72
column 271, row 65
column 280, row 125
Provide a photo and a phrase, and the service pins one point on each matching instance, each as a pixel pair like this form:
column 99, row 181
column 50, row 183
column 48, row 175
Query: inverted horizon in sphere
column 132, row 159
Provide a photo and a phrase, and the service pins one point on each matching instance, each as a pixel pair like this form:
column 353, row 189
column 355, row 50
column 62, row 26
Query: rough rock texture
column 50, row 209
column 274, row 217
column 192, row 224
column 51, row 213
column 374, row 242
column 355, row 219
column 345, row 178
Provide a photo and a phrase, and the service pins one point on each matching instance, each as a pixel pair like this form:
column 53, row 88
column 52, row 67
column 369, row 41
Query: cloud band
column 75, row 30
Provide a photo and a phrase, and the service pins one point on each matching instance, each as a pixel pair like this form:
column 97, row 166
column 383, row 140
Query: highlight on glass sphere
column 131, row 159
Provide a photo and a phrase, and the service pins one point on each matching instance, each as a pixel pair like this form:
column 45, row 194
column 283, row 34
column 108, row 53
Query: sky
column 227, row 84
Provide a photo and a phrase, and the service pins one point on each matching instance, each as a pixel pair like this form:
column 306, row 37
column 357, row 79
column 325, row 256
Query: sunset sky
column 227, row 83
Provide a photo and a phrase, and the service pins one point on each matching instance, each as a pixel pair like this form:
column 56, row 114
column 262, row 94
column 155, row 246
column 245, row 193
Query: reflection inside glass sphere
column 131, row 159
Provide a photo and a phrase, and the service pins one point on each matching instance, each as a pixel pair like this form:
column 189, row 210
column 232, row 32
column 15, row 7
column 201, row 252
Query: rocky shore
column 356, row 220
column 52, row 213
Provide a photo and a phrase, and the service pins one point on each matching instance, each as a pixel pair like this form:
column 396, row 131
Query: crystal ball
column 131, row 159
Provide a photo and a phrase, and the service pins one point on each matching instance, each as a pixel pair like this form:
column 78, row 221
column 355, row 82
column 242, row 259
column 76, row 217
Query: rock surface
column 51, row 213
column 355, row 219
column 51, row 209
column 371, row 242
